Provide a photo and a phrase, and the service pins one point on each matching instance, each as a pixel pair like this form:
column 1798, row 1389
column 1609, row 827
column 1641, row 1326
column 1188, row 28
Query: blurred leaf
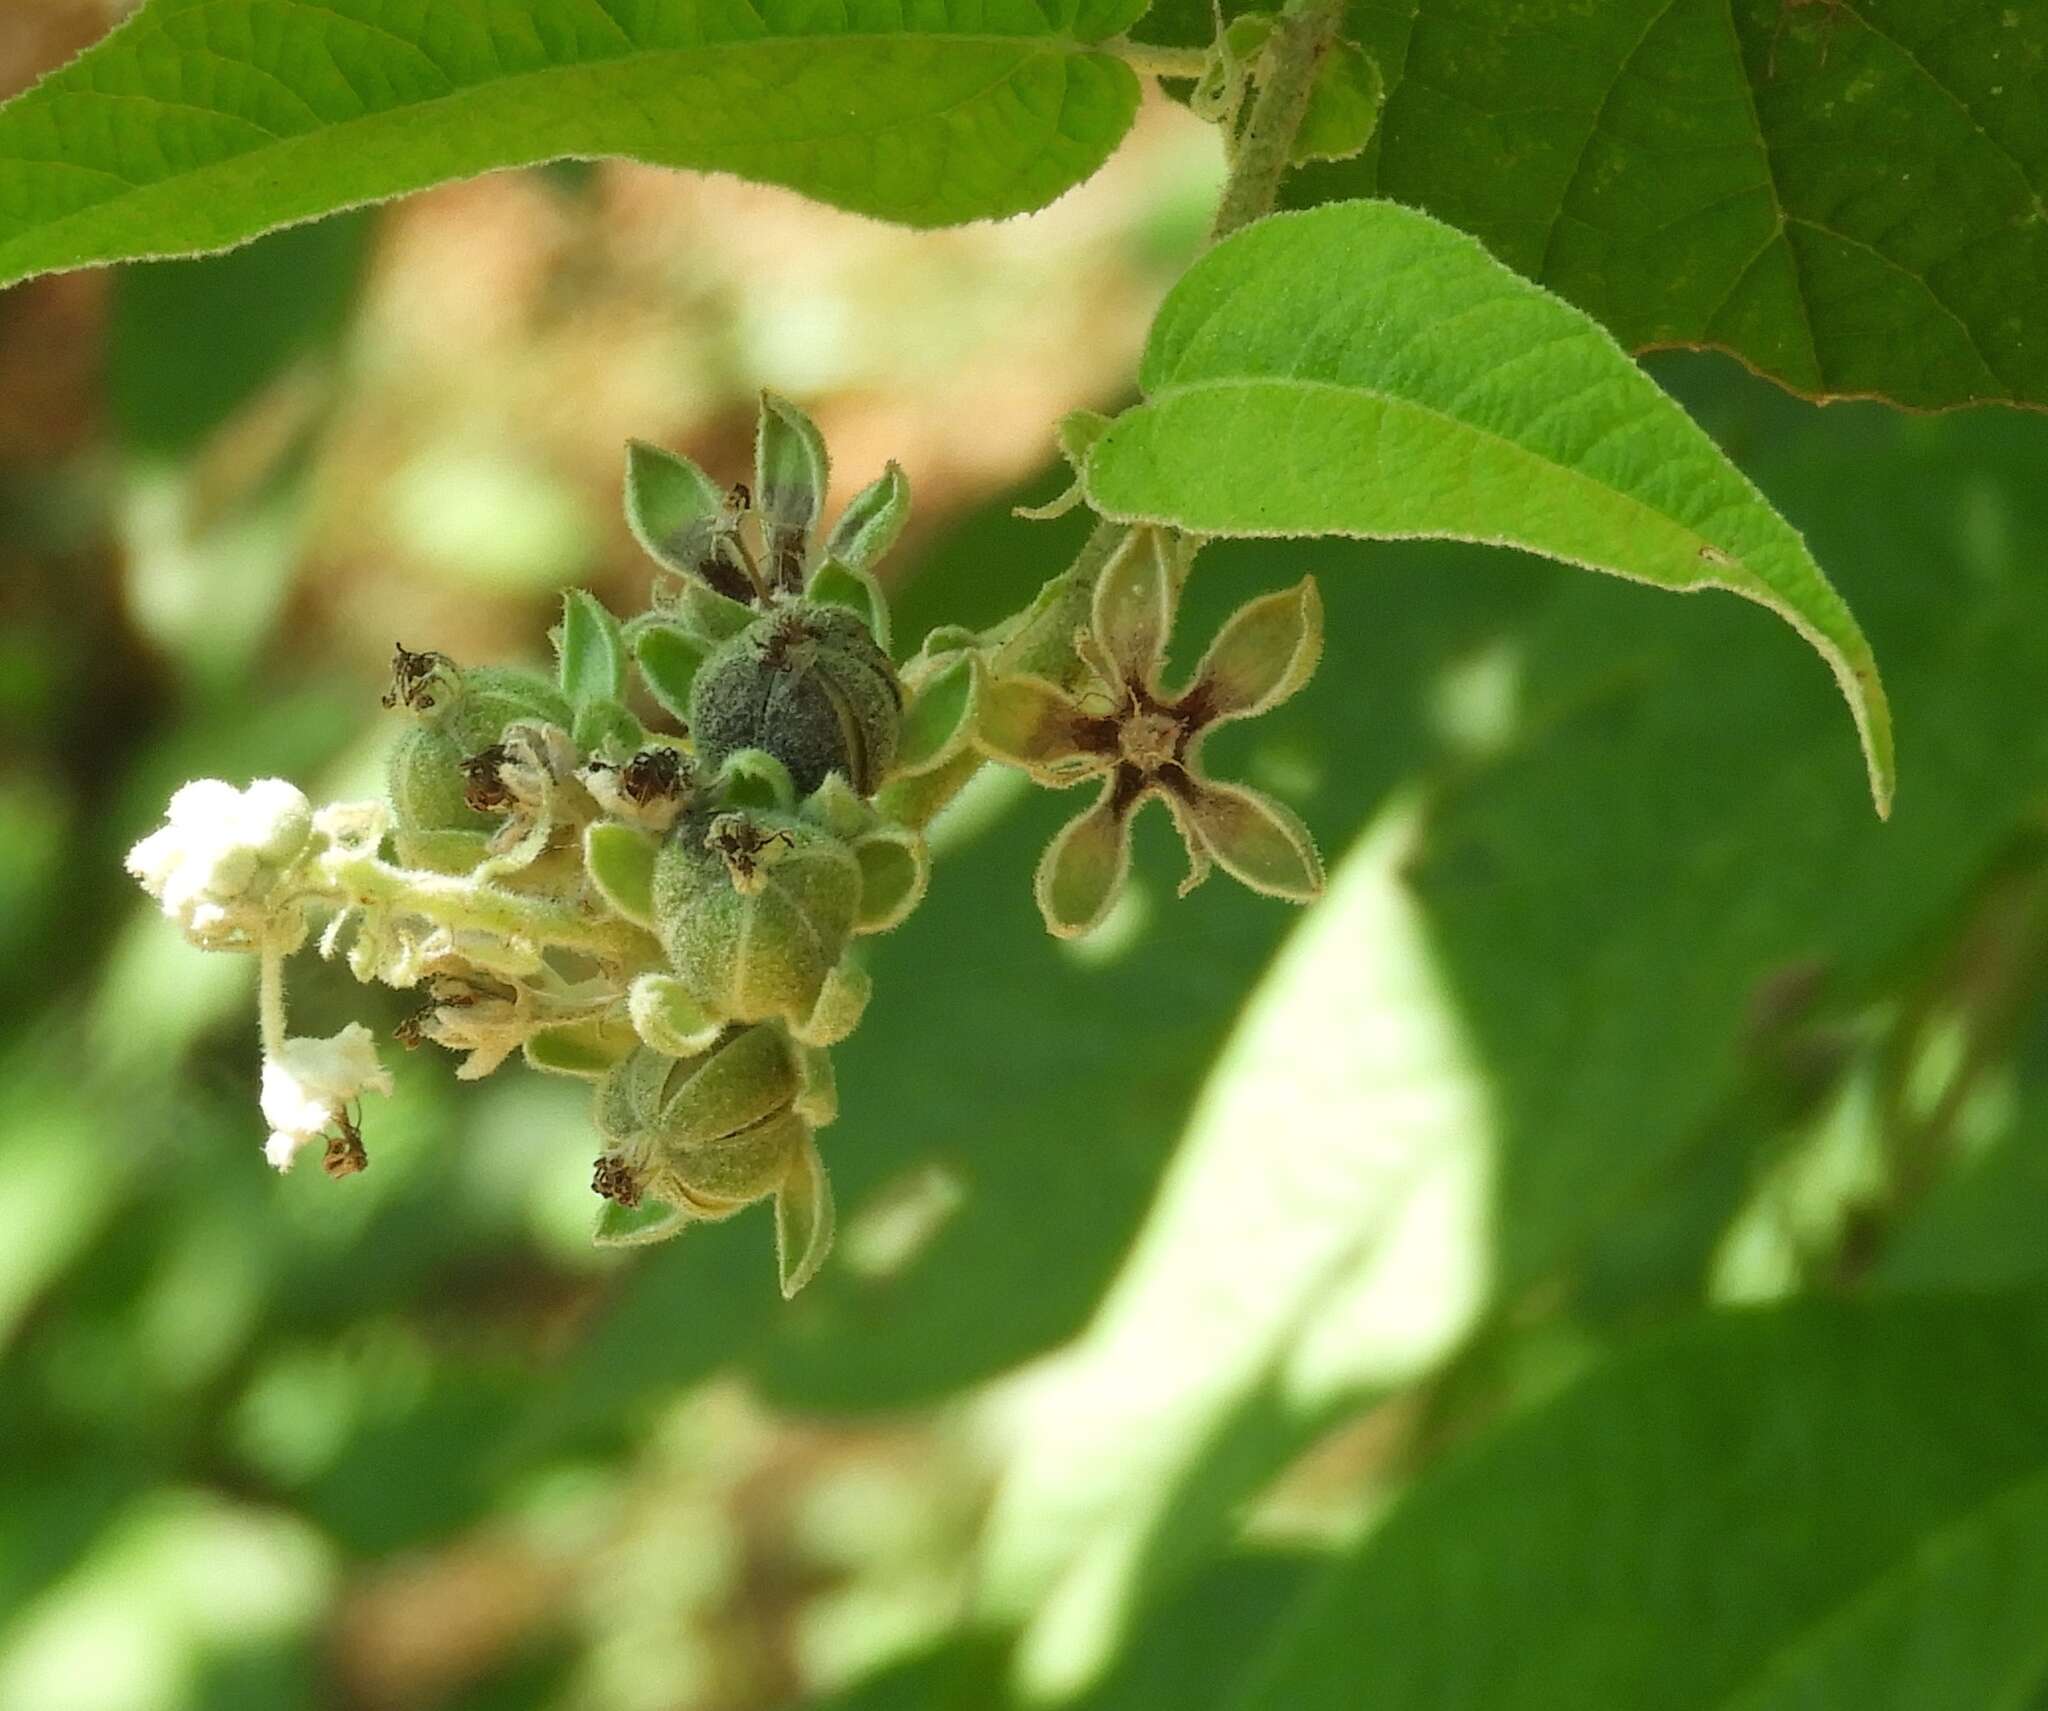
column 1823, row 1505
column 1302, row 359
column 1044, row 1085
column 204, row 122
column 1184, row 1657
column 487, row 517
column 1981, row 1227
column 1324, row 1226
column 189, row 342
column 1849, row 198
column 1519, row 1025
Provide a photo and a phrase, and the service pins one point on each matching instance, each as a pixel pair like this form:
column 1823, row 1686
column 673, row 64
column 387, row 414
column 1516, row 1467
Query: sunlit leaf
column 1362, row 369
column 201, row 123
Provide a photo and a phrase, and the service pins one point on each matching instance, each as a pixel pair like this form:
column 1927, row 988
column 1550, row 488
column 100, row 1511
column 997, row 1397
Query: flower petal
column 1027, row 722
column 1083, row 868
column 1263, row 654
column 1254, row 840
column 1133, row 608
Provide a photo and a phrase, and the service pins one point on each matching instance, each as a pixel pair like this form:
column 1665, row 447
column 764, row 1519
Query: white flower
column 214, row 861
column 309, row 1084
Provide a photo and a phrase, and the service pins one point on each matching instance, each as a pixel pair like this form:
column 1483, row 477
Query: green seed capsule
column 456, row 714
column 808, row 684
column 713, row 1132
column 754, row 910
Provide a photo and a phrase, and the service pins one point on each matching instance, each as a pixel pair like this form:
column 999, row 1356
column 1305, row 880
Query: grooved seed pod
column 754, row 910
column 456, row 713
column 808, row 684
column 713, row 1132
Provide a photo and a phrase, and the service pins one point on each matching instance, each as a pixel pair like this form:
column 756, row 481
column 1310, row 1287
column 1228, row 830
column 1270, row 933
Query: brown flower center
column 1149, row 738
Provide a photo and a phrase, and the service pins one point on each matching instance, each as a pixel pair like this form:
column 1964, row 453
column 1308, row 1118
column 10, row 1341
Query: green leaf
column 791, row 473
column 668, row 658
column 1850, row 198
column 592, row 652
column 620, row 862
column 1362, row 369
column 1343, row 106
column 643, row 1226
column 754, row 778
column 1825, row 1505
column 894, row 871
column 201, row 123
column 608, row 729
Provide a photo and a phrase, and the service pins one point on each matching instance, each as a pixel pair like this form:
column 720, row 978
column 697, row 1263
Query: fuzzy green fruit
column 455, row 713
column 809, row 685
column 754, row 910
column 713, row 1132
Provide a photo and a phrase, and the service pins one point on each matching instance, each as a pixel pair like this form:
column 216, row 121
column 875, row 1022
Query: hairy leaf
column 1820, row 1506
column 201, row 123
column 1362, row 369
column 1847, row 196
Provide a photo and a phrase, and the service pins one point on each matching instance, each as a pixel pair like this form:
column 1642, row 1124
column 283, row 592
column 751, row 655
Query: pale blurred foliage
column 517, row 328
column 437, row 477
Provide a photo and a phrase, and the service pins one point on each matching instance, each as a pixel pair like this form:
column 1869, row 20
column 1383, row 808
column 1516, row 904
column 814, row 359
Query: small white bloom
column 309, row 1084
column 212, row 864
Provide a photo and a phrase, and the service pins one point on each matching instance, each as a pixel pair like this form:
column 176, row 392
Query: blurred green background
column 1169, row 1259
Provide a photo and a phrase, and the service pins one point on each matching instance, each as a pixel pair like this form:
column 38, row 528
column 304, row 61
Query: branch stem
column 463, row 903
column 1286, row 74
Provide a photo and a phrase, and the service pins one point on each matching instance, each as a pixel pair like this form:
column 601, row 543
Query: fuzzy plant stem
column 463, row 904
column 1287, row 73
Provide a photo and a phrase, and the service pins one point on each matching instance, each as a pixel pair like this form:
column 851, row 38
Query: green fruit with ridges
column 713, row 1132
column 808, row 684
column 754, row 909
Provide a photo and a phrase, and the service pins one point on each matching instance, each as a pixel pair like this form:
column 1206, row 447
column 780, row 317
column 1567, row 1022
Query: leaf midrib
column 1349, row 389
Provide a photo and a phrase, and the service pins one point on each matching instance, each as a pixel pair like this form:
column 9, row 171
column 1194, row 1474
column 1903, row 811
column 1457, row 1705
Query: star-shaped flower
column 1142, row 742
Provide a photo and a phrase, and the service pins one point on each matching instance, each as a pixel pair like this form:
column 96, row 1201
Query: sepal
column 590, row 1049
column 872, row 520
column 792, row 473
column 668, row 1019
column 803, row 1220
column 836, row 583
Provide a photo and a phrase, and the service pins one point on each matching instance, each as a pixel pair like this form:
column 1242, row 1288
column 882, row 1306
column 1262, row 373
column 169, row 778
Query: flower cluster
column 673, row 914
